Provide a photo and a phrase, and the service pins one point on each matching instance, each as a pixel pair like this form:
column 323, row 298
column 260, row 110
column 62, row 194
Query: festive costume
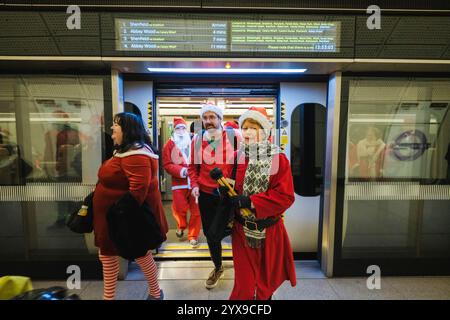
column 263, row 258
column 134, row 171
column 210, row 149
column 175, row 162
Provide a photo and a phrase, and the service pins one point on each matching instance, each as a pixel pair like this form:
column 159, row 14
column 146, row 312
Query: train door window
column 51, row 139
column 307, row 148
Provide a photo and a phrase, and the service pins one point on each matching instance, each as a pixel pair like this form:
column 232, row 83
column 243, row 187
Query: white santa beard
column 182, row 141
column 213, row 134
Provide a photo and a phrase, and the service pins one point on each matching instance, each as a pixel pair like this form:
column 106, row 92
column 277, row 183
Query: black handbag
column 222, row 223
column 81, row 221
column 133, row 228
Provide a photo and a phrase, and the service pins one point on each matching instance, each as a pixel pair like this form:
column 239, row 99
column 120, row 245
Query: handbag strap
column 233, row 172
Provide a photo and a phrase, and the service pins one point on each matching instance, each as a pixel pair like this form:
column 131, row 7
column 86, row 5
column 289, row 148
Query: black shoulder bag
column 81, row 221
column 222, row 224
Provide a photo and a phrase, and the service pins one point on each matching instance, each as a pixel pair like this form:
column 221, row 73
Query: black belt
column 259, row 224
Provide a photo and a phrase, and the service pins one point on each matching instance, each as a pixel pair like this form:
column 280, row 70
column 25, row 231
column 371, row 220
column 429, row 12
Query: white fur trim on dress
column 142, row 151
column 186, row 186
column 257, row 116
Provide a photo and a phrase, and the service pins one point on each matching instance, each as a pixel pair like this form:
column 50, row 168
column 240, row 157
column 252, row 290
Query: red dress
column 264, row 269
column 134, row 171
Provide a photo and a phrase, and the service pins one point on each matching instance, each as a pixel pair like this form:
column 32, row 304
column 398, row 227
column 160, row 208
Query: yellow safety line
column 186, row 247
column 190, row 254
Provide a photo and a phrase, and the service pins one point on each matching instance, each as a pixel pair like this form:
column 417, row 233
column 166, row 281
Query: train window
column 397, row 172
column 307, row 148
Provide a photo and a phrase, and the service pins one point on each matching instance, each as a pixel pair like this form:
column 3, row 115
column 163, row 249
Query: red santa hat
column 259, row 114
column 213, row 108
column 178, row 122
column 231, row 124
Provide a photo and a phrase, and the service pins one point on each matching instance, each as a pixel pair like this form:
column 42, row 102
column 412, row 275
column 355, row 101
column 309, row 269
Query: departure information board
column 171, row 35
column 227, row 36
column 301, row 36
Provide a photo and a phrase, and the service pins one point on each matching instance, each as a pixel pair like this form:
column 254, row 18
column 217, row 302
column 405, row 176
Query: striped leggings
column 111, row 272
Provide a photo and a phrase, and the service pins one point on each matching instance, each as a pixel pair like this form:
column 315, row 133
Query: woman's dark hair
column 131, row 107
column 134, row 134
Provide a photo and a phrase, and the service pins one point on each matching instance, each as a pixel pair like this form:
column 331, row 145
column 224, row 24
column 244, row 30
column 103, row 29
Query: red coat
column 274, row 262
column 134, row 171
column 204, row 159
column 174, row 162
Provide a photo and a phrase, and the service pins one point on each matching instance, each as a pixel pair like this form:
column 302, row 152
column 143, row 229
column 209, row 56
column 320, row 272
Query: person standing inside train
column 262, row 253
column 175, row 161
column 134, row 169
column 212, row 147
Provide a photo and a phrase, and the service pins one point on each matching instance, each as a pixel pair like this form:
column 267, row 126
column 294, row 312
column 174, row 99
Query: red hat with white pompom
column 258, row 114
column 178, row 122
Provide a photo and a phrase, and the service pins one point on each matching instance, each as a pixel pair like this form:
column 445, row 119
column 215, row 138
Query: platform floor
column 184, row 280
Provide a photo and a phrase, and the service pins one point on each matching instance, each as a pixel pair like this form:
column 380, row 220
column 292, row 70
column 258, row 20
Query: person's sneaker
column 194, row 243
column 214, row 277
column 161, row 296
column 179, row 233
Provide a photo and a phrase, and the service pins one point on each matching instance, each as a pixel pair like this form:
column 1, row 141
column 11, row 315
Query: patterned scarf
column 256, row 180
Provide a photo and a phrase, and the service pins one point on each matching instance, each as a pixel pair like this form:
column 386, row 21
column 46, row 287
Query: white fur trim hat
column 259, row 114
column 213, row 108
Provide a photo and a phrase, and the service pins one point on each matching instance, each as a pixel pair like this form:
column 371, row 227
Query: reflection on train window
column 307, row 148
column 49, row 135
column 397, row 181
column 399, row 133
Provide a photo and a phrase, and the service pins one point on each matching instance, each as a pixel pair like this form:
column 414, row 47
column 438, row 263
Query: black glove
column 223, row 191
column 241, row 201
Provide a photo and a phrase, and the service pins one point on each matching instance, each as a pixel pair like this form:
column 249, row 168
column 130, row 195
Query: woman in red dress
column 133, row 168
column 262, row 253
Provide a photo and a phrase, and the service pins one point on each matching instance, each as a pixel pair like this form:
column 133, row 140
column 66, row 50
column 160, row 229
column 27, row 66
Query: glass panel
column 10, row 157
column 50, row 151
column 307, row 148
column 397, row 193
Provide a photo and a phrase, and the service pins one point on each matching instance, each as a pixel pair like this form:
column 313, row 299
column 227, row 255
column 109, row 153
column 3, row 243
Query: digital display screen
column 301, row 36
column 171, row 35
column 227, row 35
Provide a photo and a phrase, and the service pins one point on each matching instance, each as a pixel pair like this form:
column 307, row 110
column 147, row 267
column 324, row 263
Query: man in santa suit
column 212, row 147
column 175, row 161
column 262, row 253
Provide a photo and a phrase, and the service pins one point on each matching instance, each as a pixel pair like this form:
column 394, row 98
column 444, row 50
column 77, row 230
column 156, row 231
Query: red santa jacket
column 174, row 163
column 204, row 157
column 278, row 262
column 134, row 171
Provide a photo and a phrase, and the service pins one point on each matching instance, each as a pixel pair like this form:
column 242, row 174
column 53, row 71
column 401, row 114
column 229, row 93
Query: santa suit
column 176, row 163
column 264, row 269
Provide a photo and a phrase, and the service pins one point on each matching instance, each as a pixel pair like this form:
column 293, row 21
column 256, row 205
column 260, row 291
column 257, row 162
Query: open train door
column 302, row 136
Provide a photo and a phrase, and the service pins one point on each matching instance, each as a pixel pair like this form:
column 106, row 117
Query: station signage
column 226, row 35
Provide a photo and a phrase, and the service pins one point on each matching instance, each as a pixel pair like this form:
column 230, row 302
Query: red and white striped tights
column 111, row 272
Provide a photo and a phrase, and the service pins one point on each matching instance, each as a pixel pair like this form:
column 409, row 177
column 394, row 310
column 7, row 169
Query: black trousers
column 207, row 204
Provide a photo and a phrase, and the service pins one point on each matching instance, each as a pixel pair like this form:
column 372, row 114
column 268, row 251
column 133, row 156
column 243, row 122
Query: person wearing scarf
column 263, row 258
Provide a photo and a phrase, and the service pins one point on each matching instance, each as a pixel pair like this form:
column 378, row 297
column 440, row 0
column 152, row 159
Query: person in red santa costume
column 211, row 147
column 132, row 169
column 262, row 253
column 175, row 161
